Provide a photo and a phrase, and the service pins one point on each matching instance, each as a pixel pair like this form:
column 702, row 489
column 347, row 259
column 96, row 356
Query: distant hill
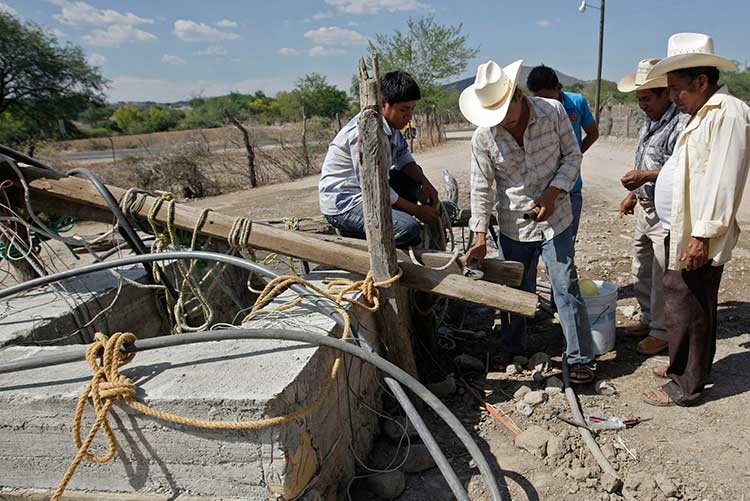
column 566, row 80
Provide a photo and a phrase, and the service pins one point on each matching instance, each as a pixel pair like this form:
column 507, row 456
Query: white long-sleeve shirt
column 710, row 172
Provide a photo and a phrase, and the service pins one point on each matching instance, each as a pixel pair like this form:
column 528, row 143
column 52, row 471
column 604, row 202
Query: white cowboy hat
column 485, row 102
column 690, row 50
column 638, row 80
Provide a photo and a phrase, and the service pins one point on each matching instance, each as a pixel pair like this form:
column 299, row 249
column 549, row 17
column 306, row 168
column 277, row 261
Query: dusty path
column 704, row 449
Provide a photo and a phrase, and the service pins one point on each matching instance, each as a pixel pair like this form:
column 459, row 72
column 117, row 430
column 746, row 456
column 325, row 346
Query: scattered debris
column 667, row 487
column 554, row 385
column 611, row 484
column 604, row 387
column 638, row 486
column 521, row 392
column 524, row 409
column 534, row 440
column 513, row 369
column 534, row 398
column 539, row 362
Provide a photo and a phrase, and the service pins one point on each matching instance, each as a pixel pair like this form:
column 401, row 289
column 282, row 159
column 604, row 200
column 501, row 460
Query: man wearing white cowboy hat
column 659, row 133
column 526, row 148
column 697, row 195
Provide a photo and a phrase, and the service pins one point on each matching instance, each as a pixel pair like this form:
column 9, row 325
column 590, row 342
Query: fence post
column 394, row 309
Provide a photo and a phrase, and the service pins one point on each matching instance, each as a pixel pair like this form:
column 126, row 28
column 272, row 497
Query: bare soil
column 703, row 449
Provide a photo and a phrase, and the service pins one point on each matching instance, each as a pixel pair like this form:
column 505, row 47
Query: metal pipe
column 429, row 441
column 599, row 66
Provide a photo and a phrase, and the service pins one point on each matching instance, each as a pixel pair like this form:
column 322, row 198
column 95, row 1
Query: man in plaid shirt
column 525, row 160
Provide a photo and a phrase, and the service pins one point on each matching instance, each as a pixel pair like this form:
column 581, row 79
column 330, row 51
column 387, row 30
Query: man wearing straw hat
column 659, row 133
column 525, row 148
column 697, row 195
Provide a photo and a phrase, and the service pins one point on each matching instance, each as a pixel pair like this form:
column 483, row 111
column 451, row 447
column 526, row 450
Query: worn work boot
column 651, row 346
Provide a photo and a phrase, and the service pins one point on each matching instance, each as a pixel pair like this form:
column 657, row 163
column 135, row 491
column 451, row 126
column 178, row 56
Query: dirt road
column 703, row 449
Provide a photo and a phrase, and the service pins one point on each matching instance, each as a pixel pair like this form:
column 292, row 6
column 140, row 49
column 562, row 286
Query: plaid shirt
column 550, row 157
column 656, row 143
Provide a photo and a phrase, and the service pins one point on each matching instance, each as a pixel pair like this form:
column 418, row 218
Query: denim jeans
column 557, row 255
column 576, row 204
column 406, row 229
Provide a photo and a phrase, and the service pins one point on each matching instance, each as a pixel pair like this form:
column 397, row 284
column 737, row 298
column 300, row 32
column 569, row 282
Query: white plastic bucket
column 602, row 311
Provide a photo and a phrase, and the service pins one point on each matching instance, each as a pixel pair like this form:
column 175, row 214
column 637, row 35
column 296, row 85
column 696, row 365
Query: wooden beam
column 374, row 150
column 496, row 271
column 75, row 195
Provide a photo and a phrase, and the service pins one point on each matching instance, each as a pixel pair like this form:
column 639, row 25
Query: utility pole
column 599, row 67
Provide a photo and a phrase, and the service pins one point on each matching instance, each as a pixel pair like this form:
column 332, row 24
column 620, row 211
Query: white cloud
column 190, row 31
column 333, row 35
column 214, row 50
column 81, row 13
column 4, row 7
column 322, row 15
column 116, row 35
column 54, row 32
column 288, row 51
column 325, row 51
column 226, row 23
column 544, row 23
column 376, row 6
column 172, row 59
column 97, row 59
column 131, row 88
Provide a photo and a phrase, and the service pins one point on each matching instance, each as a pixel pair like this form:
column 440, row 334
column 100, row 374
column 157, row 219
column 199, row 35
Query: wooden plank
column 394, row 315
column 75, row 195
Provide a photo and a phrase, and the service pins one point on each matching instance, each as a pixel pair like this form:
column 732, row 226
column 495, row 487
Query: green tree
column 130, row 119
column 738, row 83
column 42, row 81
column 428, row 51
column 319, row 98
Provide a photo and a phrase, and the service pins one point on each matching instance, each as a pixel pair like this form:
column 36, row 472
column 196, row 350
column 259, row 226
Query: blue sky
column 169, row 50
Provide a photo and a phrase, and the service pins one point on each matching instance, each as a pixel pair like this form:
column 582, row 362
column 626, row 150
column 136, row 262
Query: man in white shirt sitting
column 340, row 183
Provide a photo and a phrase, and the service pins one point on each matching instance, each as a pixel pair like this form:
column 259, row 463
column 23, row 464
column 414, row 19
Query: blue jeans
column 576, row 203
column 557, row 255
column 406, row 229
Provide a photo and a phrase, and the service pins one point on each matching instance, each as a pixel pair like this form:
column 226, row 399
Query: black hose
column 126, row 229
column 20, row 157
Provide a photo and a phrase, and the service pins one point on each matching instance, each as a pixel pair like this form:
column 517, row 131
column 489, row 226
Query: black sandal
column 581, row 374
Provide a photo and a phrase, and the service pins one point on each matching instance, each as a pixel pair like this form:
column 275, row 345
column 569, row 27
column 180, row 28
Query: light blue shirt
column 580, row 116
column 340, row 185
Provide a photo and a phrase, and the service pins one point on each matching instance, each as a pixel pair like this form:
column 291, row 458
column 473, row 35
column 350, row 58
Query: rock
column 573, row 489
column 608, row 451
column 470, row 363
column 639, row 486
column 538, row 377
column 611, row 484
column 554, row 382
column 629, row 312
column 579, row 473
column 604, row 387
column 552, row 391
column 666, row 486
column 556, row 447
column 513, row 369
column 534, row 440
column 521, row 392
column 524, row 409
column 495, row 376
column 419, row 459
column 534, row 398
column 443, row 388
column 521, row 360
column 591, row 482
column 539, row 362
column 387, row 485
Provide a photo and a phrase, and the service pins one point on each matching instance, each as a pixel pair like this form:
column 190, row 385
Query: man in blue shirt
column 543, row 82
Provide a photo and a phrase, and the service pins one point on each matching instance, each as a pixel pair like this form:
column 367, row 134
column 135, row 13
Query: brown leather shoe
column 651, row 346
column 637, row 330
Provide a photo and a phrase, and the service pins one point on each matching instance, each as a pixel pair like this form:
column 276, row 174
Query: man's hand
column 627, row 206
column 431, row 192
column 695, row 254
column 634, row 179
column 475, row 255
column 546, row 203
column 426, row 213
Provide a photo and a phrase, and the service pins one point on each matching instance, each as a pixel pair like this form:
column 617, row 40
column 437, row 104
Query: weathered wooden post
column 374, row 161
